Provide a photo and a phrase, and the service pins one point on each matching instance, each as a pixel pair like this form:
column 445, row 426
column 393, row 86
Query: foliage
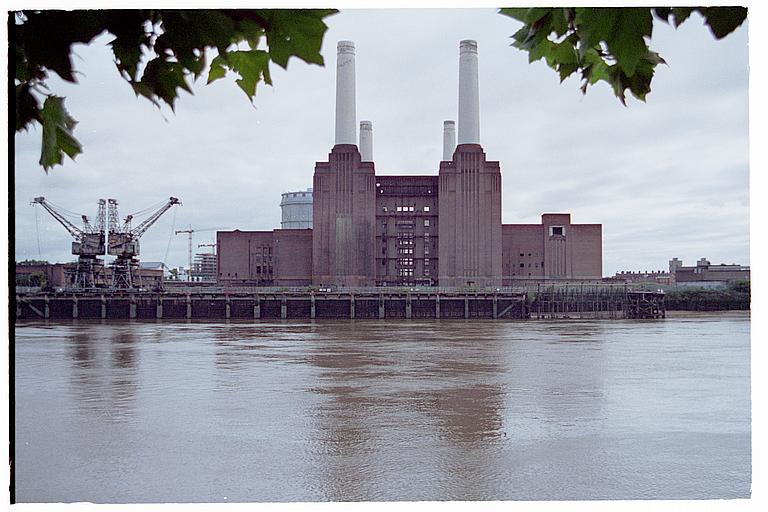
column 156, row 51
column 32, row 262
column 734, row 297
column 33, row 279
column 740, row 286
column 608, row 44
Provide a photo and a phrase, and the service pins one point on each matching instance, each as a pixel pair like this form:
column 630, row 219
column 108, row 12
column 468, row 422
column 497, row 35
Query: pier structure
column 261, row 304
column 355, row 303
column 595, row 301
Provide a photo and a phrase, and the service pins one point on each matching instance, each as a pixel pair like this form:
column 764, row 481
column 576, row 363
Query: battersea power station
column 439, row 230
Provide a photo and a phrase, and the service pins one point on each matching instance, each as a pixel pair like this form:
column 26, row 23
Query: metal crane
column 123, row 242
column 87, row 246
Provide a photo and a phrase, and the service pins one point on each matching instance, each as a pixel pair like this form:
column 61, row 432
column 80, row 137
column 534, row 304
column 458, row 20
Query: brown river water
column 138, row 412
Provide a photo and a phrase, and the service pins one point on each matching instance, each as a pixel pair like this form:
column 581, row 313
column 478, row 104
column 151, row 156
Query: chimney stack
column 366, row 141
column 469, row 98
column 449, row 140
column 345, row 94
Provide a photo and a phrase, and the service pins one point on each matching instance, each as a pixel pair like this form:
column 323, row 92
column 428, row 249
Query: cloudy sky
column 667, row 178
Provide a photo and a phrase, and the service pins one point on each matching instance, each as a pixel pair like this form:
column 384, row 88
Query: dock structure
column 595, row 301
column 258, row 304
column 362, row 303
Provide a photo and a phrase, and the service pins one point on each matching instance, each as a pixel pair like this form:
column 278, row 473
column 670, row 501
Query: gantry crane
column 87, row 246
column 123, row 242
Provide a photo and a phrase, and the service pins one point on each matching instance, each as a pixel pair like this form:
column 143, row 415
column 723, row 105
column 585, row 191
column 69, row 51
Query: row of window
column 408, row 208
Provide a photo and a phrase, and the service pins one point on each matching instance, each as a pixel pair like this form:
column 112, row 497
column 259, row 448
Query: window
column 426, row 209
column 426, row 250
column 426, row 223
column 556, row 231
column 521, row 255
column 426, row 271
column 522, row 265
column 384, row 209
column 399, row 208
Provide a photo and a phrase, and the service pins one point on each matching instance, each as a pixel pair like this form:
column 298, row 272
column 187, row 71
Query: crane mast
column 88, row 243
column 123, row 242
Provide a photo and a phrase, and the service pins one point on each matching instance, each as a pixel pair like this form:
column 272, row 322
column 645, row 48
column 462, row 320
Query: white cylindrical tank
column 366, row 141
column 296, row 210
column 346, row 129
column 469, row 94
column 449, row 139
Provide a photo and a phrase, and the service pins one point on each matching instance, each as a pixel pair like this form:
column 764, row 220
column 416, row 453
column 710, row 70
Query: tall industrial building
column 444, row 229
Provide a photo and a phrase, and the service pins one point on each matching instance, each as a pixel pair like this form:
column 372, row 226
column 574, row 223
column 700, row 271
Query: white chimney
column 366, row 141
column 345, row 94
column 469, row 98
column 449, row 140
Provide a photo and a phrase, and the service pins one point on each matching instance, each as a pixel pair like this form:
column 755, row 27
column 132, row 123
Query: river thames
column 138, row 412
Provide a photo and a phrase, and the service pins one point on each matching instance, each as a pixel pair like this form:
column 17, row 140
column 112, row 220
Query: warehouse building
column 443, row 229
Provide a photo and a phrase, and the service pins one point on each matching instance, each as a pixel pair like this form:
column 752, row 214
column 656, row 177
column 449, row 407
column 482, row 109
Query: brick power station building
column 444, row 229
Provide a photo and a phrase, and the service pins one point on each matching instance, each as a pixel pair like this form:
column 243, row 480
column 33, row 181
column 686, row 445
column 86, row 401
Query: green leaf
column 252, row 66
column 663, row 13
column 57, row 133
column 517, row 13
column 128, row 29
column 49, row 36
column 543, row 49
column 680, row 14
column 296, row 32
column 27, row 107
column 162, row 79
column 594, row 25
column 559, row 22
column 724, row 20
column 566, row 70
column 217, row 69
column 536, row 14
column 627, row 43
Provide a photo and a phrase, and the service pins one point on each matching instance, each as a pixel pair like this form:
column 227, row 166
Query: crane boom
column 76, row 232
column 144, row 226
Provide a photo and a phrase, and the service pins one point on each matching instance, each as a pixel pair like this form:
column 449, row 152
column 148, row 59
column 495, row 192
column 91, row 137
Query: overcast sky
column 667, row 178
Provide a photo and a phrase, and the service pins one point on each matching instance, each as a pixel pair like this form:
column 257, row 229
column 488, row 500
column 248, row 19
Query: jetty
column 541, row 302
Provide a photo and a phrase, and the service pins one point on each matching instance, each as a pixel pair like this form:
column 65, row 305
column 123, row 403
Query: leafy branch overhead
column 158, row 52
column 608, row 44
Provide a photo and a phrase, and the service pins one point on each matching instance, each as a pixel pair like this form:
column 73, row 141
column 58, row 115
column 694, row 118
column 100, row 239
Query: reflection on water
column 103, row 372
column 344, row 411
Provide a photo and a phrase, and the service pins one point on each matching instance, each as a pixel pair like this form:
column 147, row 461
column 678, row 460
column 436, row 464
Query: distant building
column 204, row 268
column 55, row 274
column 658, row 277
column 59, row 275
column 706, row 275
column 296, row 210
column 282, row 257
